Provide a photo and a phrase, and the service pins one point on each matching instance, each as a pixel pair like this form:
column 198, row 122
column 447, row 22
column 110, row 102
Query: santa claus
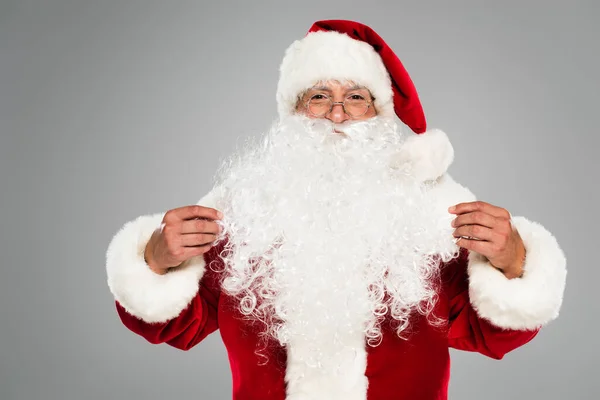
column 336, row 256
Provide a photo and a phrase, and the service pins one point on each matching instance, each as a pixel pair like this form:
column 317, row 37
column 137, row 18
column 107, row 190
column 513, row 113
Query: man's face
column 358, row 102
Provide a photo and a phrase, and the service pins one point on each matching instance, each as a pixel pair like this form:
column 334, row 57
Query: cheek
column 370, row 114
column 372, row 111
column 300, row 109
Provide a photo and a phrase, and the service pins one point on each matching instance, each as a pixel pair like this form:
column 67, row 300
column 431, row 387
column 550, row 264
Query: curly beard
column 326, row 236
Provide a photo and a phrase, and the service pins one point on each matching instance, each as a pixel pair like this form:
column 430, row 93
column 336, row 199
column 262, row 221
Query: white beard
column 325, row 238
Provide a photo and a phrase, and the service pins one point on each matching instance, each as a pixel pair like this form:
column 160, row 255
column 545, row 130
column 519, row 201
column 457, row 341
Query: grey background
column 110, row 109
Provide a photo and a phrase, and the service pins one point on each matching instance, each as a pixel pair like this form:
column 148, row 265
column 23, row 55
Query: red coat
column 485, row 311
column 422, row 363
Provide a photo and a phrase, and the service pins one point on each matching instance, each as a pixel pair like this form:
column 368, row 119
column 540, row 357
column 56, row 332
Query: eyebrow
column 326, row 89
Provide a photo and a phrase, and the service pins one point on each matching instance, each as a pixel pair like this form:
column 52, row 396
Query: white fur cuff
column 524, row 303
column 142, row 292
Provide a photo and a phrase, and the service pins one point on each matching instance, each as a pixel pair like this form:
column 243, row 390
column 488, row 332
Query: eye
column 318, row 97
column 356, row 97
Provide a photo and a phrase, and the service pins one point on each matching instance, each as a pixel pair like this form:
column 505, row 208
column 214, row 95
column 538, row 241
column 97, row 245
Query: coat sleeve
column 491, row 314
column 178, row 308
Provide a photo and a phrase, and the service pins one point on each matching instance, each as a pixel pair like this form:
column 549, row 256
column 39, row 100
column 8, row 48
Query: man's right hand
column 186, row 232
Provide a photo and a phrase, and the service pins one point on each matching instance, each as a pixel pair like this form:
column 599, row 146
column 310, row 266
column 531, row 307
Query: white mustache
column 326, row 125
column 345, row 127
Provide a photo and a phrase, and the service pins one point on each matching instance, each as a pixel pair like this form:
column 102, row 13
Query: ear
column 428, row 155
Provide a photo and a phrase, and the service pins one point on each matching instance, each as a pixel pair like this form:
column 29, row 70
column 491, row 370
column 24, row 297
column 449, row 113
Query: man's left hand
column 487, row 230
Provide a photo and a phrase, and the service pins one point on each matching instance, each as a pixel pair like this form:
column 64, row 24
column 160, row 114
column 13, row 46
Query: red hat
column 348, row 50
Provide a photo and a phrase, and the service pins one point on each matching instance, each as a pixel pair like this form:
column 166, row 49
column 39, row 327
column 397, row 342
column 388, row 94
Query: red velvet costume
column 421, row 363
column 485, row 311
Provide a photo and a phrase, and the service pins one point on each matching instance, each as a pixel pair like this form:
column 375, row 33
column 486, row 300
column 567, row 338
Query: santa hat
column 348, row 50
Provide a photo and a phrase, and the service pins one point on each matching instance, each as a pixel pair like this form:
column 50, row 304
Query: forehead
column 331, row 85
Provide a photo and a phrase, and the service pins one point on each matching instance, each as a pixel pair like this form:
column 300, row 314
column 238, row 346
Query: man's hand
column 185, row 232
column 487, row 230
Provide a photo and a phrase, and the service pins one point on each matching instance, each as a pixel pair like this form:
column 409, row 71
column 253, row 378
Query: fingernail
column 452, row 208
column 220, row 214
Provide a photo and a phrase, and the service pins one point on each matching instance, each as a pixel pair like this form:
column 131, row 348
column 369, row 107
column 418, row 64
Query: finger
column 474, row 231
column 462, row 208
column 200, row 226
column 197, row 239
column 190, row 252
column 479, row 246
column 475, row 218
column 194, row 211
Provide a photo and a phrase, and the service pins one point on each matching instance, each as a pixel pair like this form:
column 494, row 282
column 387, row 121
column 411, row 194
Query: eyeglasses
column 354, row 105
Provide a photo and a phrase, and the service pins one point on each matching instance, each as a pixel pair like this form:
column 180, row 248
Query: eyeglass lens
column 355, row 105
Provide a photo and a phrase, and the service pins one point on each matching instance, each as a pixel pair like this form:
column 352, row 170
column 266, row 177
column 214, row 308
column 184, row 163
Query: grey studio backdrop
column 113, row 109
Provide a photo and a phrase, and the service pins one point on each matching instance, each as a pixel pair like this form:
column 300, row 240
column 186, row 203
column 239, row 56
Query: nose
column 337, row 114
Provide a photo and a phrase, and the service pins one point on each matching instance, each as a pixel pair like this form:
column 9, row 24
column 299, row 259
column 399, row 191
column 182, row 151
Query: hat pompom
column 429, row 155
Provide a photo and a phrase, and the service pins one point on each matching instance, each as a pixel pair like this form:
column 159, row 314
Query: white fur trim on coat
column 428, row 155
column 142, row 292
column 524, row 303
column 342, row 378
column 332, row 55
